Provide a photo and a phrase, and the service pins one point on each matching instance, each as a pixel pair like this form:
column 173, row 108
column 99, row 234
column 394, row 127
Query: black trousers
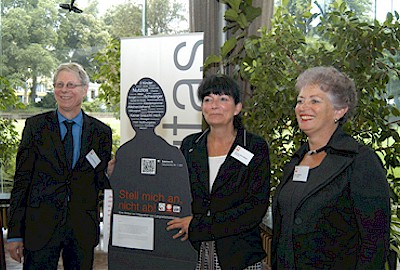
column 75, row 256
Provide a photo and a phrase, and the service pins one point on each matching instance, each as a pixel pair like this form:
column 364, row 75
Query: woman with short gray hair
column 332, row 209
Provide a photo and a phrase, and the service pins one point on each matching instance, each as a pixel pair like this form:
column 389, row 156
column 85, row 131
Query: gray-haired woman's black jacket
column 231, row 214
column 343, row 219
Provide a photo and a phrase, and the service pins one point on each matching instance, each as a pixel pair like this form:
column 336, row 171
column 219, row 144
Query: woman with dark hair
column 331, row 210
column 229, row 174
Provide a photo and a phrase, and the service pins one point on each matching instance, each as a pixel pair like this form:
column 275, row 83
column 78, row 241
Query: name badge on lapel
column 242, row 155
column 93, row 159
column 301, row 173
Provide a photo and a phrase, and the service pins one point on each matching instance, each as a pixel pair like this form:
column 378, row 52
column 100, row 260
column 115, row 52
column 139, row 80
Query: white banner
column 107, row 209
column 175, row 63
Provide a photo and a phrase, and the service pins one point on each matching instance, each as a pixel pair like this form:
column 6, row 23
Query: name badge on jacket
column 93, row 158
column 242, row 155
column 301, row 173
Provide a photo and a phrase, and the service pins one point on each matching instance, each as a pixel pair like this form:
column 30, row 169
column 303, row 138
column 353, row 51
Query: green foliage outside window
column 8, row 136
column 161, row 15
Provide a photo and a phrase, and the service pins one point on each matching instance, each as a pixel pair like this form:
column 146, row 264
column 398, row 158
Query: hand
column 110, row 167
column 183, row 225
column 16, row 250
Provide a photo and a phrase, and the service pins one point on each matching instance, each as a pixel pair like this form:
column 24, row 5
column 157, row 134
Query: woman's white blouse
column 215, row 163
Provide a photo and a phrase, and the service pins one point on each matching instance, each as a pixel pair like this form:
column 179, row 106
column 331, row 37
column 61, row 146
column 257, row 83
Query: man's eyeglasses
column 70, row 85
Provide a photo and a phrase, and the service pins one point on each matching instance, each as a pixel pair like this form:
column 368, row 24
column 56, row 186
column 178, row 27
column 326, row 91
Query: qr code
column 148, row 166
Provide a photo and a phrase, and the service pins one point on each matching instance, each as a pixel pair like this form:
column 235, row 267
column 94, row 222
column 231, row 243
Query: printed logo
column 176, row 209
column 161, row 207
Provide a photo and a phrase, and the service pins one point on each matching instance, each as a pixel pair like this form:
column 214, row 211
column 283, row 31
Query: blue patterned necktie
column 69, row 143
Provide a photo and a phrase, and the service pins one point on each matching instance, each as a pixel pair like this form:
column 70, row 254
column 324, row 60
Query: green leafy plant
column 109, row 74
column 366, row 52
column 239, row 15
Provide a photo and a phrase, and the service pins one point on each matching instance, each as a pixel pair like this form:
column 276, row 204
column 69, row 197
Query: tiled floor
column 100, row 260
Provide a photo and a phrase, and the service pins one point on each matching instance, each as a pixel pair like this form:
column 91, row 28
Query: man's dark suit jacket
column 44, row 188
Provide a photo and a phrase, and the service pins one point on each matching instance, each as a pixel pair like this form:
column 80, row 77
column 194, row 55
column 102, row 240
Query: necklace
column 312, row 152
